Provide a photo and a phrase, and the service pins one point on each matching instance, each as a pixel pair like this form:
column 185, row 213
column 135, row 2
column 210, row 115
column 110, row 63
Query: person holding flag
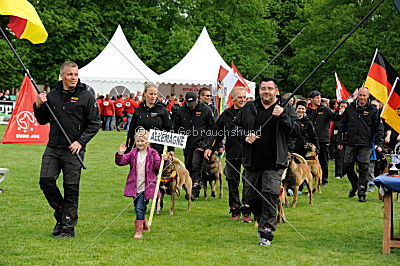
column 77, row 111
column 233, row 149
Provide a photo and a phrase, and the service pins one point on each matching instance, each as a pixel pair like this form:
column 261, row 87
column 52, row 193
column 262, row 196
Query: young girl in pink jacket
column 144, row 163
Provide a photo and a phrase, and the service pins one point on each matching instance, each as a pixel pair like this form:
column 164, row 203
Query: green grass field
column 338, row 230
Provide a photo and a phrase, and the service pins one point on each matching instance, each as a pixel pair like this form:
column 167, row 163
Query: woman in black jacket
column 304, row 130
column 151, row 114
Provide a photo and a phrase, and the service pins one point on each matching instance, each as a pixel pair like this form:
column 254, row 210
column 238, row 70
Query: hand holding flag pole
column 397, row 2
column 25, row 23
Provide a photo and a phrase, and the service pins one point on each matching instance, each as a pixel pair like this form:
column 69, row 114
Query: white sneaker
column 264, row 242
column 338, row 177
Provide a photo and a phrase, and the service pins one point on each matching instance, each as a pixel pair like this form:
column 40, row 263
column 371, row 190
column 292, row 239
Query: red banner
column 23, row 127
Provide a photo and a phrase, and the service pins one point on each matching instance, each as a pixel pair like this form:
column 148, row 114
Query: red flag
column 23, row 127
column 341, row 92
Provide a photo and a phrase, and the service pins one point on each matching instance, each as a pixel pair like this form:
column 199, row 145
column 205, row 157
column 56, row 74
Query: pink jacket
column 152, row 165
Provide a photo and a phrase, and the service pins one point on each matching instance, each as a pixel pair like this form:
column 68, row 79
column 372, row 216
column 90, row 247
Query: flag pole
column 53, row 116
column 390, row 95
column 373, row 60
column 326, row 58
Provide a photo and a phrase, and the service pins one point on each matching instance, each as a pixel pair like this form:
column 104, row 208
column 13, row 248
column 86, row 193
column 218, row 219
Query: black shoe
column 57, row 229
column 362, row 198
column 352, row 193
column 66, row 235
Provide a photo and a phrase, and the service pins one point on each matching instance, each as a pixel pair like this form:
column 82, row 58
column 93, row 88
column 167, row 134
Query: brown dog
column 298, row 172
column 212, row 174
column 173, row 178
column 281, row 201
column 315, row 167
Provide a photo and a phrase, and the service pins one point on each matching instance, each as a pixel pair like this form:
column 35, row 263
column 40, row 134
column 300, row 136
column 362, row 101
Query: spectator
column 119, row 105
column 130, row 106
column 108, row 111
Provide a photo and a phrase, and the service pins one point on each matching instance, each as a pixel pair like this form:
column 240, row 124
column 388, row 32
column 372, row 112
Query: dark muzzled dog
column 173, row 178
column 315, row 166
column 212, row 174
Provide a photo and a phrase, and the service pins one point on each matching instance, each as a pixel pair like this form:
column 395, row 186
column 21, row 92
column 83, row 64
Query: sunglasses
column 206, row 95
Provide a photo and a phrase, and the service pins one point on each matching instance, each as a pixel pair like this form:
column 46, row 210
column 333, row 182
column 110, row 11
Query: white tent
column 117, row 67
column 199, row 68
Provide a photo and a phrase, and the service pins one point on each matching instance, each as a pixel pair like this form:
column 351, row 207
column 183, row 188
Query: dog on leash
column 298, row 172
column 174, row 177
column 315, row 166
column 212, row 174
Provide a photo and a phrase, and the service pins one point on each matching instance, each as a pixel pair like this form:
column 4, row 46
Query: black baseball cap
column 191, row 98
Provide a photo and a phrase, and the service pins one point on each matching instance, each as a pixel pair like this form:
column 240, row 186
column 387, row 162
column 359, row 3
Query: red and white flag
column 341, row 92
column 23, row 127
column 227, row 80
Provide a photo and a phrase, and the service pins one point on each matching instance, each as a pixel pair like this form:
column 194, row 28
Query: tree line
column 248, row 32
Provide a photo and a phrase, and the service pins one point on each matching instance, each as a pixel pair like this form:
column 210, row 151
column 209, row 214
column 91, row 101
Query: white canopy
column 117, row 66
column 198, row 68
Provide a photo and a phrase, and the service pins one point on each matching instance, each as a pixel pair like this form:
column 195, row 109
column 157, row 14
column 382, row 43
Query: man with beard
column 265, row 155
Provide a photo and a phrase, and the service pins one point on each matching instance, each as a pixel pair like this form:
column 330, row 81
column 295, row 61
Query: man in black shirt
column 265, row 152
column 77, row 111
column 195, row 120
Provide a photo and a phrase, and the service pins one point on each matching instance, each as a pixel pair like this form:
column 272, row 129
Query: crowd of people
column 348, row 132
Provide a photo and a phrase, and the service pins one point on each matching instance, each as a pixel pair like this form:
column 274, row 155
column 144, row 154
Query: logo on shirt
column 119, row 105
column 106, row 103
column 198, row 113
column 74, row 99
column 153, row 114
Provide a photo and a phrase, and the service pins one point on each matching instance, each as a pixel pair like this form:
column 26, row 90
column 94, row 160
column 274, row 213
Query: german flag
column 391, row 112
column 381, row 78
column 24, row 21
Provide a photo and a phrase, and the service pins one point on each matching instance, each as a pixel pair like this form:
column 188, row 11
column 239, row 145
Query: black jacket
column 360, row 125
column 303, row 133
column 223, row 128
column 76, row 111
column 156, row 117
column 320, row 118
column 197, row 124
column 245, row 122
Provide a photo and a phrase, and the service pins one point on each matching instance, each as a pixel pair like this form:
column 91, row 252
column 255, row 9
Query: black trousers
column 267, row 182
column 193, row 163
column 339, row 162
column 118, row 120
column 232, row 173
column 362, row 155
column 65, row 207
column 323, row 158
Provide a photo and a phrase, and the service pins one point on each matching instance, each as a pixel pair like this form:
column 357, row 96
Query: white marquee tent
column 115, row 68
column 199, row 68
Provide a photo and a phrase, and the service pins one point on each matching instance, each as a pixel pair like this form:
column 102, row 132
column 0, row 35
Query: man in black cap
column 196, row 120
column 320, row 116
